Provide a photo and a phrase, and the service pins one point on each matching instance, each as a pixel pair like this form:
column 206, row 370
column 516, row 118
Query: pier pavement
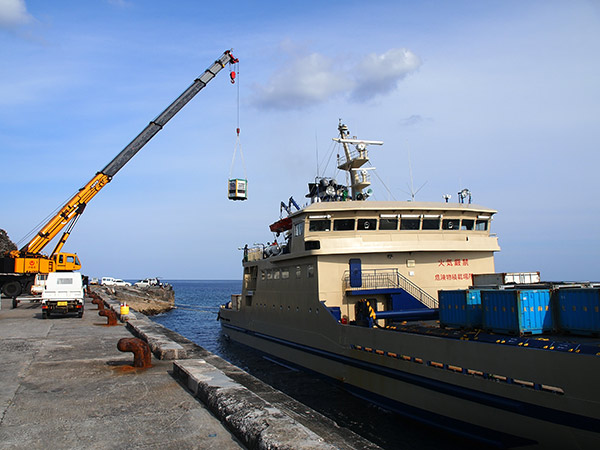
column 64, row 384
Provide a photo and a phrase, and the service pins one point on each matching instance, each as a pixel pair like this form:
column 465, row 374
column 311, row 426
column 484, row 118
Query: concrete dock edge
column 258, row 415
column 257, row 423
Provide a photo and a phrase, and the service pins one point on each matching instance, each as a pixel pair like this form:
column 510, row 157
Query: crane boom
column 75, row 206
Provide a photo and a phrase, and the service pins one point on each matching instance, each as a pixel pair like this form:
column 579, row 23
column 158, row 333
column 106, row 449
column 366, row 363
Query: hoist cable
column 238, row 143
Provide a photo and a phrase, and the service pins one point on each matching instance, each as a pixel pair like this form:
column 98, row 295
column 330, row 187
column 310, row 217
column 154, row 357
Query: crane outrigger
column 19, row 267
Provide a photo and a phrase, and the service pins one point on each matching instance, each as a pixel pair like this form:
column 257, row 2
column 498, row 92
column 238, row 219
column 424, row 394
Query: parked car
column 148, row 282
column 110, row 281
column 107, row 281
column 63, row 294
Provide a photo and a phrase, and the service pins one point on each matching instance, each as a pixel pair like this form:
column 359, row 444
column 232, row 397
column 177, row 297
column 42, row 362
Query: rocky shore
column 150, row 300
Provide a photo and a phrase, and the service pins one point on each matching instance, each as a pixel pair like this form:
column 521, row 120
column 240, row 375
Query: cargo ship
column 375, row 295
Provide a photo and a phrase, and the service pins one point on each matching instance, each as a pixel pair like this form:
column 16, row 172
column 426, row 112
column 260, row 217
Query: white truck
column 63, row 294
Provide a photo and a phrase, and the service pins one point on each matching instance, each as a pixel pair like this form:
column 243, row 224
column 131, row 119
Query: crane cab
column 238, row 189
column 66, row 262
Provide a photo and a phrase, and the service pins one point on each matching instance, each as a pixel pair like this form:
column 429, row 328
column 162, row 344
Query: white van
column 107, row 281
column 63, row 294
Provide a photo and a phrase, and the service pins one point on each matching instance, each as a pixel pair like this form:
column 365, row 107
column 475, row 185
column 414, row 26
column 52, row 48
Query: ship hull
column 505, row 396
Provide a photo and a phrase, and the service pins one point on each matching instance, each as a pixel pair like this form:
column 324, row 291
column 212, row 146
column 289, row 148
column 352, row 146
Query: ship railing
column 354, row 154
column 390, row 279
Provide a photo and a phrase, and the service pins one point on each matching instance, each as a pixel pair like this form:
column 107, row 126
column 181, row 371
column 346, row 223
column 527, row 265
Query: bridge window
column 388, row 224
column 320, row 225
column 410, row 224
column 450, row 224
column 431, row 224
column 343, row 224
column 299, row 229
column 481, row 225
column 467, row 224
column 366, row 224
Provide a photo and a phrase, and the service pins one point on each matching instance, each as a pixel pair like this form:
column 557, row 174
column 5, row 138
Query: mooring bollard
column 142, row 356
column 110, row 315
column 99, row 302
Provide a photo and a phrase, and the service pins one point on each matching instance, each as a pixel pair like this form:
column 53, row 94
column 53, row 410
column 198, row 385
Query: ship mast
column 354, row 161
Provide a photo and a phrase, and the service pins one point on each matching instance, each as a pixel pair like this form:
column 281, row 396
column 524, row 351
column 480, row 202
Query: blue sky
column 501, row 97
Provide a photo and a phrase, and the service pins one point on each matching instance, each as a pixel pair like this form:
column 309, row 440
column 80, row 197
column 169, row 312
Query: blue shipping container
column 460, row 308
column 578, row 310
column 517, row 312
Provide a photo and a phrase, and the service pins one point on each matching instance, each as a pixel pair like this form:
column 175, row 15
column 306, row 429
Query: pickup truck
column 148, row 282
column 63, row 294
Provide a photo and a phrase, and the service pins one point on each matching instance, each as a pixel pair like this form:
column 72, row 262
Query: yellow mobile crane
column 19, row 267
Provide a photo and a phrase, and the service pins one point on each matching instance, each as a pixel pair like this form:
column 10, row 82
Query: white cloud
column 315, row 78
column 379, row 74
column 307, row 81
column 13, row 13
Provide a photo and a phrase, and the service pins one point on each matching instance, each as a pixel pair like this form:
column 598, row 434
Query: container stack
column 577, row 311
column 460, row 308
column 518, row 312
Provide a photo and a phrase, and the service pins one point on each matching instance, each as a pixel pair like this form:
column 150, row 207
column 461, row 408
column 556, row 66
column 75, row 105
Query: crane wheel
column 12, row 289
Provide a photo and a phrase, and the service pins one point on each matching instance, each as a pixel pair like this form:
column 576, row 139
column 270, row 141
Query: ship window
column 467, row 224
column 343, row 224
column 388, row 224
column 310, row 271
column 276, row 274
column 431, row 224
column 366, row 224
column 263, row 275
column 450, row 224
column 299, row 229
column 269, row 275
column 312, row 245
column 481, row 225
column 410, row 224
column 285, row 273
column 298, row 271
column 248, row 300
column 320, row 225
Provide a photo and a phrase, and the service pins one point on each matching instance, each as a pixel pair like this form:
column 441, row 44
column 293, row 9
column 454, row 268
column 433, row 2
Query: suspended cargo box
column 460, row 308
column 515, row 311
column 238, row 189
column 578, row 311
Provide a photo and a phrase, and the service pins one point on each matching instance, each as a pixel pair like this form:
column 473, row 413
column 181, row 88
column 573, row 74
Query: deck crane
column 19, row 267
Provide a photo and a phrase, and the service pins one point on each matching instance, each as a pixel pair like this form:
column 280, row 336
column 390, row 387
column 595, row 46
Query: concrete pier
column 64, row 384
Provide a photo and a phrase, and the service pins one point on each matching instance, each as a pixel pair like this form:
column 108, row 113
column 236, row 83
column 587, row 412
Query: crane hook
column 232, row 76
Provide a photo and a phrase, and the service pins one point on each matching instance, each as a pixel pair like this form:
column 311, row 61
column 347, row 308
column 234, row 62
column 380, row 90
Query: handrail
column 390, row 279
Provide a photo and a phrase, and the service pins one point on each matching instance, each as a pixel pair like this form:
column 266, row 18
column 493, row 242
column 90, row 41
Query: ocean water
column 195, row 318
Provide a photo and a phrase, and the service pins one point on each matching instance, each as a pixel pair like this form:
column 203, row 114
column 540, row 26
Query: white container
column 498, row 279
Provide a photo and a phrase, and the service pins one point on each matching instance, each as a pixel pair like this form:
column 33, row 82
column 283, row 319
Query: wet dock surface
column 64, row 384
